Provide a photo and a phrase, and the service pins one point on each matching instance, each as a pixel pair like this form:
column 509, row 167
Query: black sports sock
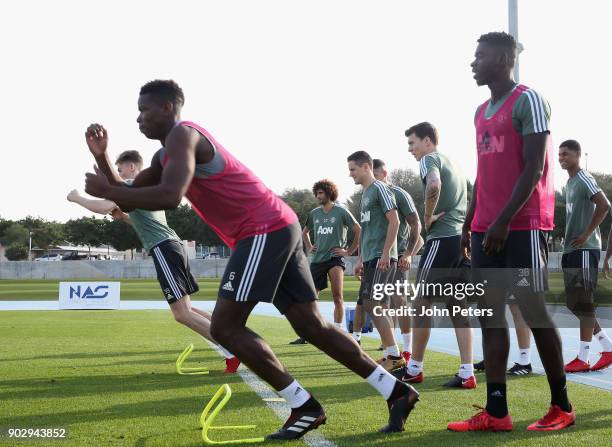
column 497, row 405
column 558, row 394
column 310, row 405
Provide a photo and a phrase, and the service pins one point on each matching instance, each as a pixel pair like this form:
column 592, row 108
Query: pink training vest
column 500, row 163
column 235, row 203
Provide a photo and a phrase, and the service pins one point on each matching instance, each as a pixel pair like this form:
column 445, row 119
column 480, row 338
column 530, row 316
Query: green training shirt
column 376, row 201
column 453, row 195
column 579, row 210
column 525, row 111
column 405, row 207
column 329, row 230
column 151, row 227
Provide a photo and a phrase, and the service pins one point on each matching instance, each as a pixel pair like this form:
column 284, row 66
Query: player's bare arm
column 390, row 239
column 433, row 188
column 307, row 243
column 534, row 154
column 606, row 263
column 414, row 223
column 340, row 251
column 150, row 176
column 602, row 207
column 466, row 244
column 181, row 146
column 96, row 137
column 356, row 236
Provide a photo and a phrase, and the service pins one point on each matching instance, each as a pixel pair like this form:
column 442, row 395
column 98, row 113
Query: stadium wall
column 201, row 268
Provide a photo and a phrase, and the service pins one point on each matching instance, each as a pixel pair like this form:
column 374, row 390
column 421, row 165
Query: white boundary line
column 281, row 409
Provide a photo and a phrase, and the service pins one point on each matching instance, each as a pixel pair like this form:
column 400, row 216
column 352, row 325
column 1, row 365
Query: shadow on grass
column 188, row 406
column 109, row 384
column 98, row 355
column 440, row 437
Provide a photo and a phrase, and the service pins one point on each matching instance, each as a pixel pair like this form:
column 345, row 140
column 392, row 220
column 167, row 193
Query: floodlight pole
column 513, row 29
column 30, row 249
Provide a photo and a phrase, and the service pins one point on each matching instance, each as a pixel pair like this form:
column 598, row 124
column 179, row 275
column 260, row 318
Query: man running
column 329, row 223
column 586, row 206
column 409, row 242
column 445, row 190
column 510, row 213
column 268, row 261
column 158, row 239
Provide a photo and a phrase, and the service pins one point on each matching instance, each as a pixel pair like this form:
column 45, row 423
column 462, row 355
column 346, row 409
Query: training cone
column 185, row 370
column 209, row 415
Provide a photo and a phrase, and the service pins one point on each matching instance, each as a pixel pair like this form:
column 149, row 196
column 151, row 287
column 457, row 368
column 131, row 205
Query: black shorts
column 441, row 262
column 374, row 280
column 173, row 274
column 519, row 268
column 270, row 267
column 580, row 269
column 319, row 270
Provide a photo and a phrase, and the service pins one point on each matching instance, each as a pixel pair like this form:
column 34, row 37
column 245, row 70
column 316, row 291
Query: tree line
column 93, row 231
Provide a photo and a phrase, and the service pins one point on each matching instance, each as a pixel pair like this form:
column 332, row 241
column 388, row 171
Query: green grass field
column 148, row 289
column 109, row 378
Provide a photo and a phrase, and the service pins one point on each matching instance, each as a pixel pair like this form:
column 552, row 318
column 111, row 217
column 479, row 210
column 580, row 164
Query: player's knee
column 310, row 328
column 338, row 299
column 182, row 316
column 218, row 331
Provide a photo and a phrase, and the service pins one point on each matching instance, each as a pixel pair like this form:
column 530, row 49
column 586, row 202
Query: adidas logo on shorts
column 228, row 286
column 523, row 283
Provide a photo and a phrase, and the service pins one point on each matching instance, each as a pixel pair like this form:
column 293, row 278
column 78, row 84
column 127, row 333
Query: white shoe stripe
column 302, row 424
column 308, row 418
column 297, row 429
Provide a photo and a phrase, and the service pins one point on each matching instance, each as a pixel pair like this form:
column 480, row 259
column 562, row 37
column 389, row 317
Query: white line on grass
column 282, row 410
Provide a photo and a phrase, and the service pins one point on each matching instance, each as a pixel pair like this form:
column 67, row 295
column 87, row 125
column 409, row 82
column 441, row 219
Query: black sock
column 497, row 405
column 558, row 394
column 310, row 405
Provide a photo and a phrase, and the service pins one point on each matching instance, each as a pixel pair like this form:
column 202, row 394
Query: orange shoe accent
column 576, row 366
column 482, row 421
column 604, row 361
column 231, row 365
column 555, row 419
column 409, row 378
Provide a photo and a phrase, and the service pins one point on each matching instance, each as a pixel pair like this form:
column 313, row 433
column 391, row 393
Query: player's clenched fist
column 97, row 139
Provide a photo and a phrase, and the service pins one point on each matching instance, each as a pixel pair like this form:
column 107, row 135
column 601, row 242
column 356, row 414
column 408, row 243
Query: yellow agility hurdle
column 185, row 370
column 208, row 417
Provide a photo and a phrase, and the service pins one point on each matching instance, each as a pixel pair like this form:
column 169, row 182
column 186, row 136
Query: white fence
column 201, row 268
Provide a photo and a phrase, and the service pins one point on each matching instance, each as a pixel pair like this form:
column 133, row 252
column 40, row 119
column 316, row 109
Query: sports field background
column 109, row 377
column 148, row 289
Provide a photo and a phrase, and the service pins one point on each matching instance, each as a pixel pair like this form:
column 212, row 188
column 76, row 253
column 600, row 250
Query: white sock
column 604, row 340
column 585, row 347
column 226, row 353
column 524, row 356
column 338, row 325
column 466, row 370
column 295, row 395
column 407, row 341
column 392, row 350
column 414, row 367
column 357, row 336
column 382, row 381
